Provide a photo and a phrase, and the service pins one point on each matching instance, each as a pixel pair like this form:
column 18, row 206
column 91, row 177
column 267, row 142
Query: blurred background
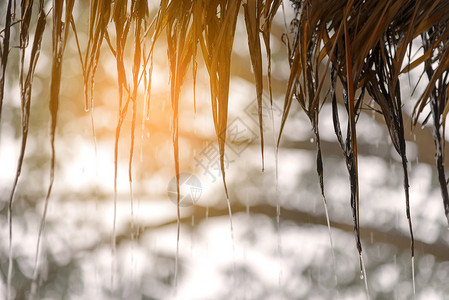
column 257, row 257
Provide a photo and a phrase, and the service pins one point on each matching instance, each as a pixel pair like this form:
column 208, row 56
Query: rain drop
column 312, row 140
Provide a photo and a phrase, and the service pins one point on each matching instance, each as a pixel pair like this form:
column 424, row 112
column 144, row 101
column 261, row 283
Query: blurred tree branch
column 396, row 238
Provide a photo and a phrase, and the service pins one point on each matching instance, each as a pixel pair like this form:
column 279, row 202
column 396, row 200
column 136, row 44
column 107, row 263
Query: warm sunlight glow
column 196, row 149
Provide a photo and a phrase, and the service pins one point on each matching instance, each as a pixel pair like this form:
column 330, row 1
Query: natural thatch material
column 364, row 45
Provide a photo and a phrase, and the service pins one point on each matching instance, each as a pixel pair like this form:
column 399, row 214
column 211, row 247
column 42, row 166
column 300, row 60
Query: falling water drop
column 363, row 276
column 312, row 140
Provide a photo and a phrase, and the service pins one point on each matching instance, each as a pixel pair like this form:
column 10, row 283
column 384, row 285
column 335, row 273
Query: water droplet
column 312, row 140
column 361, row 275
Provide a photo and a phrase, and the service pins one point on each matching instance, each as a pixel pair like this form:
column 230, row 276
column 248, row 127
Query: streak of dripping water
column 363, row 276
column 395, row 266
column 114, row 238
column 94, row 135
column 10, row 261
column 278, row 205
column 178, row 234
column 228, row 202
column 334, row 263
column 247, row 207
column 86, row 102
column 132, row 231
column 396, row 220
column 94, row 139
column 131, row 194
column 245, row 275
column 142, row 135
column 207, row 218
column 413, row 277
column 192, row 236
column 245, row 257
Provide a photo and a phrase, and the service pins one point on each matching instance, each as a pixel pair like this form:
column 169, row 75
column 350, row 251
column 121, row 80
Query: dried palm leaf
column 4, row 52
column 26, row 84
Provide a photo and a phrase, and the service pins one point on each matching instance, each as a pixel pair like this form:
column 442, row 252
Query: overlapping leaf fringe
column 369, row 55
column 339, row 51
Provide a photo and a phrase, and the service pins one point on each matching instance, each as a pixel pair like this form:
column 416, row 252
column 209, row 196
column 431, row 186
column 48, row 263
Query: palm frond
column 362, row 46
